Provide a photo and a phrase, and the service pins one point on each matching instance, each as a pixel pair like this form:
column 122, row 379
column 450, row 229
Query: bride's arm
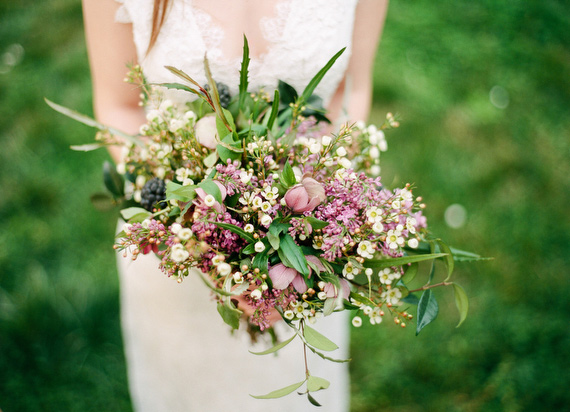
column 110, row 47
column 368, row 23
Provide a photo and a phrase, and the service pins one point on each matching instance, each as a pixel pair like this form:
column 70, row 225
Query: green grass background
column 60, row 344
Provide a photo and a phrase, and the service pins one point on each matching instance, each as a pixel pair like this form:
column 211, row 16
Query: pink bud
column 305, row 196
column 206, row 131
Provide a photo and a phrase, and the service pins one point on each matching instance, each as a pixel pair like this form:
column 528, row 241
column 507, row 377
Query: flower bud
column 305, row 196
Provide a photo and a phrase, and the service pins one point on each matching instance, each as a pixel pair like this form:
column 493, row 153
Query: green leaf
column 211, row 188
column 319, row 76
column 362, row 299
column 316, row 223
column 287, row 92
column 113, row 180
column 273, row 240
column 211, row 159
column 384, row 263
column 427, row 310
column 287, row 177
column 448, row 259
column 221, row 127
column 464, row 256
column 178, row 192
column 230, row 314
column 260, row 261
column 235, row 229
column 314, row 383
column 411, row 272
column 279, row 393
column 243, row 73
column 130, row 212
column 227, row 148
column 318, row 340
column 249, row 249
column 179, row 86
column 276, row 347
column 274, row 110
column 215, row 96
column 88, row 121
column 183, row 75
column 292, row 255
column 462, row 302
column 312, row 400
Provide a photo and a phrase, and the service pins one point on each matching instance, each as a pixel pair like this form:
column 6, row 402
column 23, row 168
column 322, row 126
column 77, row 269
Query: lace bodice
column 300, row 35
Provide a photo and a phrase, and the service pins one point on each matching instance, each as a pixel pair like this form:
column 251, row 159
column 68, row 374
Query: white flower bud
column 256, row 294
column 259, row 247
column 326, row 140
column 341, row 152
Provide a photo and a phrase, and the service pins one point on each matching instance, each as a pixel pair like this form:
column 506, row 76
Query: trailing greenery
column 439, row 65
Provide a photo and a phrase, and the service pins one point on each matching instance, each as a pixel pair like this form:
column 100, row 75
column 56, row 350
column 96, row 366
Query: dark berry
column 153, row 194
column 223, row 92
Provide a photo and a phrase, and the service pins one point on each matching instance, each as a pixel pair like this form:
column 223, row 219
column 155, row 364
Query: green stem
column 431, row 286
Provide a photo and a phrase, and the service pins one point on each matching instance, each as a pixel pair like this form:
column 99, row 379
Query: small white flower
column 341, row 152
column 137, row 196
column 216, row 260
column 383, row 146
column 185, row 234
column 190, row 116
column 266, row 220
column 121, row 168
column 315, row 147
column 349, row 271
column 365, row 249
column 396, row 204
column 127, row 228
column 367, row 310
column 259, row 247
column 289, row 314
column 368, row 272
column 371, row 129
column 145, row 223
column 411, row 224
column 344, row 162
column 413, row 243
column 224, row 269
column 357, row 321
column 140, row 181
column 166, row 105
column 160, row 172
column 256, row 294
column 245, row 177
column 374, row 214
column 176, row 125
column 374, row 152
column 257, row 201
column 322, row 295
column 153, row 115
column 378, row 227
column 392, row 296
column 394, row 239
column 326, row 140
column 265, row 206
column 209, row 200
column 179, row 253
column 248, row 228
column 270, row 193
column 238, row 277
column 175, row 228
column 375, row 170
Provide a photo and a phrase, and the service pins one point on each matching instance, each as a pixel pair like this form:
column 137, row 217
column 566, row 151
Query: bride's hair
column 158, row 15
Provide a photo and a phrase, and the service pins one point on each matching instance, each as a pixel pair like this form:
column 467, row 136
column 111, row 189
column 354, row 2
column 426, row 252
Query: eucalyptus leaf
column 318, row 340
column 276, row 347
column 312, row 400
column 314, row 383
column 462, row 303
column 279, row 393
column 427, row 310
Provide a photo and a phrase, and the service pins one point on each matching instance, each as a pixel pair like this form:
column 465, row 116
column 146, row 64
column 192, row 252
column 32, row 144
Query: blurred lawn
column 483, row 90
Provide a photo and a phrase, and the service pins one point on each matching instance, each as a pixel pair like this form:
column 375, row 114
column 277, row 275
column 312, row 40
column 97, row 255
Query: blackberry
column 223, row 92
column 153, row 194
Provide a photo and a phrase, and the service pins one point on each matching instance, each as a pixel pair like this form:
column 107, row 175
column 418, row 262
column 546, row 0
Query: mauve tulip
column 206, row 131
column 305, row 196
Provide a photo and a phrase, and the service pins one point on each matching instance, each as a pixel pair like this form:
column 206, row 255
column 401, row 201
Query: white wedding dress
column 181, row 357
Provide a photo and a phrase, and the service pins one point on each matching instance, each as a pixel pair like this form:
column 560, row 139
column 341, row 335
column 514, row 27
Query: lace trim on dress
column 122, row 14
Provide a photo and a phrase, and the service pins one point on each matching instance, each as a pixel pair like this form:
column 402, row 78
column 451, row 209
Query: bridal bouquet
column 273, row 209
